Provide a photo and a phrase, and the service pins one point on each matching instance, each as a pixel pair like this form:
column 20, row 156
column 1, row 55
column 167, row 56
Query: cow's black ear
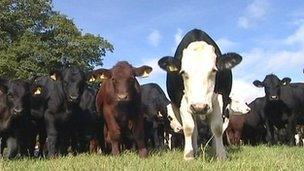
column 258, row 83
column 55, row 74
column 286, row 80
column 99, row 74
column 228, row 61
column 3, row 84
column 169, row 64
column 143, row 71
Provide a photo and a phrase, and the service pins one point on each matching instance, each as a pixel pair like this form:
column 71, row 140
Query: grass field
column 243, row 158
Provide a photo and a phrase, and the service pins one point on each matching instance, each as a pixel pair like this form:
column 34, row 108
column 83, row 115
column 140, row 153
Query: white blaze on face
column 198, row 72
column 238, row 107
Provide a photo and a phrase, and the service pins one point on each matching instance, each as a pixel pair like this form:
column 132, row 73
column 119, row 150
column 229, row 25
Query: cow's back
column 153, row 97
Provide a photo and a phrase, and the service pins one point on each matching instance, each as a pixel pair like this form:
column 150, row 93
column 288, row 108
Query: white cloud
column 297, row 37
column 245, row 90
column 178, row 36
column 286, row 60
column 154, row 38
column 225, row 44
column 254, row 12
column 153, row 62
column 157, row 75
column 243, row 22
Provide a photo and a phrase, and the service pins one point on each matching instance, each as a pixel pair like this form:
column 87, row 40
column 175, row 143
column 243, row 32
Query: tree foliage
column 34, row 38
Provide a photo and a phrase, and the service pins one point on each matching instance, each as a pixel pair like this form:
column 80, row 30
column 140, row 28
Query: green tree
column 34, row 38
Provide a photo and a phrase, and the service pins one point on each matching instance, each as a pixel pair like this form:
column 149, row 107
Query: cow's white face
column 198, row 67
column 237, row 106
column 198, row 70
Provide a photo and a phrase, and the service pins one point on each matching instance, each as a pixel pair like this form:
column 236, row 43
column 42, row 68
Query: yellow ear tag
column 92, row 79
column 102, row 77
column 172, row 68
column 53, row 77
column 38, row 91
column 145, row 74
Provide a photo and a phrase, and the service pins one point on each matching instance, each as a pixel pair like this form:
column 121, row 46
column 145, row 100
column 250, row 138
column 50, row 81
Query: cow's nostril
column 74, row 97
column 193, row 107
column 274, row 97
column 16, row 110
column 170, row 118
column 207, row 108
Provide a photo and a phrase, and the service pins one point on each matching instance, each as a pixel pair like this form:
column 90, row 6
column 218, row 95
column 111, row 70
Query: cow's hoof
column 189, row 156
column 143, row 153
column 222, row 157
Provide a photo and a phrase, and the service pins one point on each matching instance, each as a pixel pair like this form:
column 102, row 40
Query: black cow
column 254, row 131
column 284, row 105
column 80, row 99
column 90, row 123
column 16, row 126
column 39, row 103
column 68, row 106
column 57, row 119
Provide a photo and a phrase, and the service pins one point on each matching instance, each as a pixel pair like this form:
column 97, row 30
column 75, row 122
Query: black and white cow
column 197, row 77
column 284, row 105
column 158, row 113
column 254, row 131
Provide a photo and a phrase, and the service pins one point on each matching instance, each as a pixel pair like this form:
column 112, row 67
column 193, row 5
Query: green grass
column 243, row 158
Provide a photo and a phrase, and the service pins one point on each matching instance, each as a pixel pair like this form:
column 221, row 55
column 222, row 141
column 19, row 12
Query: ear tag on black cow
column 92, row 79
column 53, row 77
column 38, row 91
column 102, row 77
column 172, row 68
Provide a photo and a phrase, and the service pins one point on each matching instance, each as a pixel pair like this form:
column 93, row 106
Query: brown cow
column 237, row 116
column 119, row 100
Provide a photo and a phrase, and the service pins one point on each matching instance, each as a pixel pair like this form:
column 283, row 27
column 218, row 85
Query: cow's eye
column 186, row 76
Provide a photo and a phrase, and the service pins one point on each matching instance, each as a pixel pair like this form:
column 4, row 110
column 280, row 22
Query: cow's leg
column 188, row 127
column 52, row 135
column 32, row 144
column 229, row 135
column 115, row 147
column 195, row 137
column 3, row 144
column 270, row 132
column 12, row 147
column 291, row 130
column 216, row 124
column 237, row 137
column 139, row 136
column 42, row 140
column 156, row 140
column 93, row 145
column 22, row 144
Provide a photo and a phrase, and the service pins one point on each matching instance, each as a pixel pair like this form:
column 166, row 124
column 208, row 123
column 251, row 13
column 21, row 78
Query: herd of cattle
column 60, row 113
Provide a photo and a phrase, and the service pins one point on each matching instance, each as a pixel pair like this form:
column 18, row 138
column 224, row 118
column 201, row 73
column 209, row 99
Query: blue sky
column 269, row 34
